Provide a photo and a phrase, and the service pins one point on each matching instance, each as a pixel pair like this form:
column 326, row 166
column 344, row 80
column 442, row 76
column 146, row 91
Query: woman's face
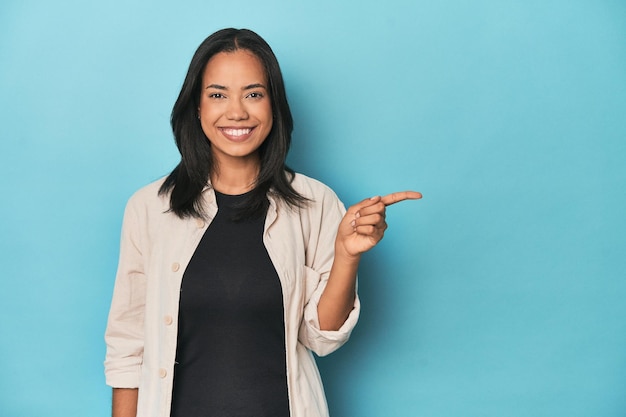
column 235, row 108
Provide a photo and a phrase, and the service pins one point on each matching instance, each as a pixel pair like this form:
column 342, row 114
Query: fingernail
column 357, row 215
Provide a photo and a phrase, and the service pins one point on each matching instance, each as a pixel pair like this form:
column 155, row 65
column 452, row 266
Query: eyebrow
column 247, row 87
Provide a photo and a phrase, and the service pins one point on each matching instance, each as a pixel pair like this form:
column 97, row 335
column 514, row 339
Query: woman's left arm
column 362, row 227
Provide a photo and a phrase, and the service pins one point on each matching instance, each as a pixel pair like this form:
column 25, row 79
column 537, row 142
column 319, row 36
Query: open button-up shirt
column 156, row 246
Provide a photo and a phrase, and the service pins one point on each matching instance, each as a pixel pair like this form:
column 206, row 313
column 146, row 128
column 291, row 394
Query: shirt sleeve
column 325, row 217
column 124, row 334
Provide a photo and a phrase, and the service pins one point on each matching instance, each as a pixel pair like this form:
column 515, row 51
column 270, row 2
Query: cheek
column 270, row 117
column 270, row 123
column 207, row 126
column 207, row 118
column 268, row 128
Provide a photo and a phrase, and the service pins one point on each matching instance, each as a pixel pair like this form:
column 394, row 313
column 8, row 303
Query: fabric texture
column 155, row 249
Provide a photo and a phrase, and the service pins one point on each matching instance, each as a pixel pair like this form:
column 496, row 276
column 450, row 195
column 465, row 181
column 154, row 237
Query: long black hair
column 186, row 182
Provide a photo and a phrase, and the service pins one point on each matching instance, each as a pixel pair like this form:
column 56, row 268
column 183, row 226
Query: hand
column 364, row 224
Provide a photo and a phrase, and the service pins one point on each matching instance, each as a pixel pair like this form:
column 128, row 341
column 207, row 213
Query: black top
column 230, row 358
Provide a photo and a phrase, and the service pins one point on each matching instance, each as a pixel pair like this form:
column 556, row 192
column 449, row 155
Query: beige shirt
column 156, row 247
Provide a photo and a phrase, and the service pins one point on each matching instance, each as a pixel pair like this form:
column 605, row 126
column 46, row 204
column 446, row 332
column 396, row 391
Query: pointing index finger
column 394, row 198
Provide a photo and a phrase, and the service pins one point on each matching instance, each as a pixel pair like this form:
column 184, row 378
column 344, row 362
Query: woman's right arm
column 125, row 331
column 125, row 402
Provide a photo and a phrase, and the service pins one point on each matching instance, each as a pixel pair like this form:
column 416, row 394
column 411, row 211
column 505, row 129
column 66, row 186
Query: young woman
column 233, row 269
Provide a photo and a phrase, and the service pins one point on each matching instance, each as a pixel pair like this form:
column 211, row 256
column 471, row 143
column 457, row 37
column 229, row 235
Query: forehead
column 237, row 67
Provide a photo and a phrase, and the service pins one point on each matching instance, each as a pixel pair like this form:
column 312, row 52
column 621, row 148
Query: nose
column 236, row 110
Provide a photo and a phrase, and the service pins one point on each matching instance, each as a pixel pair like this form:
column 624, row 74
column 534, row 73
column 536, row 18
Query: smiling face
column 235, row 108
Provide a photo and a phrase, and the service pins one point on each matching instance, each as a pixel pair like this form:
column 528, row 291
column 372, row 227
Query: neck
column 235, row 177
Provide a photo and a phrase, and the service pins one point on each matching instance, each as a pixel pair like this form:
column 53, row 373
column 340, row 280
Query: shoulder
column 148, row 197
column 312, row 189
column 321, row 198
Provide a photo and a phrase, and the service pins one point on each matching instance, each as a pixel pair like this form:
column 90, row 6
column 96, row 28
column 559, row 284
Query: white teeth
column 236, row 132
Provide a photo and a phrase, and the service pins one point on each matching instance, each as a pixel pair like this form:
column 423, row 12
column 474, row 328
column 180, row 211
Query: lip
column 237, row 134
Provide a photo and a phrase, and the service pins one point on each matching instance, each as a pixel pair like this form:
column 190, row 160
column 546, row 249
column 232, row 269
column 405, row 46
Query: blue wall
column 501, row 293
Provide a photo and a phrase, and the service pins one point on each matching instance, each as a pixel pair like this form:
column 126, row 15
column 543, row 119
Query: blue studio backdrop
column 500, row 293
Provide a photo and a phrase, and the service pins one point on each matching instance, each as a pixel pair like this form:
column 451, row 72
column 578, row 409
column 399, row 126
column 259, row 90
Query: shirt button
column 168, row 320
column 175, row 266
column 162, row 373
column 200, row 223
